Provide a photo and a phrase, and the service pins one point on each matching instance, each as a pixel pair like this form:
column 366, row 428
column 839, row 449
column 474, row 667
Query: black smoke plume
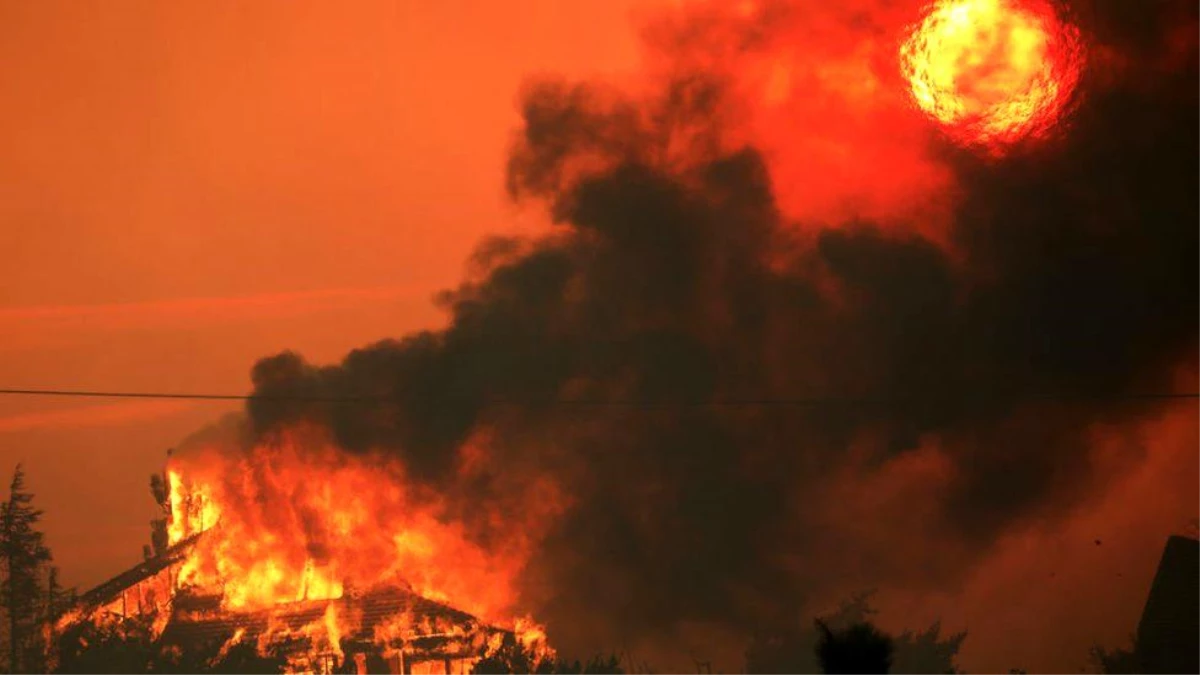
column 696, row 370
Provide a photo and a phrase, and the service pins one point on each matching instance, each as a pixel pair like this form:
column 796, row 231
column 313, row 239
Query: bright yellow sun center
column 991, row 71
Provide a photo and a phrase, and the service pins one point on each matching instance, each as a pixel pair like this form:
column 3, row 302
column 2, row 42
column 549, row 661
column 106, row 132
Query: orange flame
column 293, row 521
column 993, row 72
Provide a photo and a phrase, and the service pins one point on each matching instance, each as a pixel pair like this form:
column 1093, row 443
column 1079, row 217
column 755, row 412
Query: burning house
column 387, row 629
column 295, row 552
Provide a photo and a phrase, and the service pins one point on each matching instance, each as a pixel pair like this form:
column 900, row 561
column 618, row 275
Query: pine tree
column 22, row 553
column 57, row 600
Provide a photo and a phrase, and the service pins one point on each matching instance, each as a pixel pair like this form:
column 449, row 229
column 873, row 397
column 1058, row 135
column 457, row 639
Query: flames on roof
column 382, row 629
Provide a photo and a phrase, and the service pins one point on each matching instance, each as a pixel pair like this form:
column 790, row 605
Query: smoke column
column 916, row 346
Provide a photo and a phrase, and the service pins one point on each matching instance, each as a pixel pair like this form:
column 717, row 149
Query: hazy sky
column 185, row 187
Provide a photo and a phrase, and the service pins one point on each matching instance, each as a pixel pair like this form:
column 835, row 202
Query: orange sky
column 188, row 186
column 185, row 187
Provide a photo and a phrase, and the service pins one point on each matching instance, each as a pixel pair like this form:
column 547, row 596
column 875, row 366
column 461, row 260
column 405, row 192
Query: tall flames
column 293, row 520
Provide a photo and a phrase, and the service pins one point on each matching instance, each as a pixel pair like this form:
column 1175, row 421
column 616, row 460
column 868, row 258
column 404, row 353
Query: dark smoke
column 673, row 280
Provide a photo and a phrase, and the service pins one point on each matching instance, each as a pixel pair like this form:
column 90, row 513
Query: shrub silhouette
column 784, row 648
column 860, row 648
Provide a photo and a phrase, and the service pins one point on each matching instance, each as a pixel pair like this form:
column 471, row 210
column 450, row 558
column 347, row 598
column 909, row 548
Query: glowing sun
column 992, row 72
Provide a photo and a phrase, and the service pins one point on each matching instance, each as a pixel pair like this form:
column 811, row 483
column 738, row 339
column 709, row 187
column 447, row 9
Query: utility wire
column 800, row 402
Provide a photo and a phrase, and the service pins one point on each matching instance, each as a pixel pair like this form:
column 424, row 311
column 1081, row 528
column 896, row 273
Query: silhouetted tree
column 56, row 601
column 23, row 554
column 793, row 649
column 926, row 651
column 159, row 539
column 1118, row 661
column 788, row 650
column 860, row 648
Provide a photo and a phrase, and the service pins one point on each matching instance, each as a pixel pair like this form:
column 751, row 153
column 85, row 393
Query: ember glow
column 993, row 72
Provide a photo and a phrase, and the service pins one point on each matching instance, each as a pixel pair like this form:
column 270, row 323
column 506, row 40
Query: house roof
column 108, row 590
column 194, row 621
column 197, row 619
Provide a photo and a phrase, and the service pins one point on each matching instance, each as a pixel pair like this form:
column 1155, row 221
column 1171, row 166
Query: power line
column 743, row 402
column 78, row 393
